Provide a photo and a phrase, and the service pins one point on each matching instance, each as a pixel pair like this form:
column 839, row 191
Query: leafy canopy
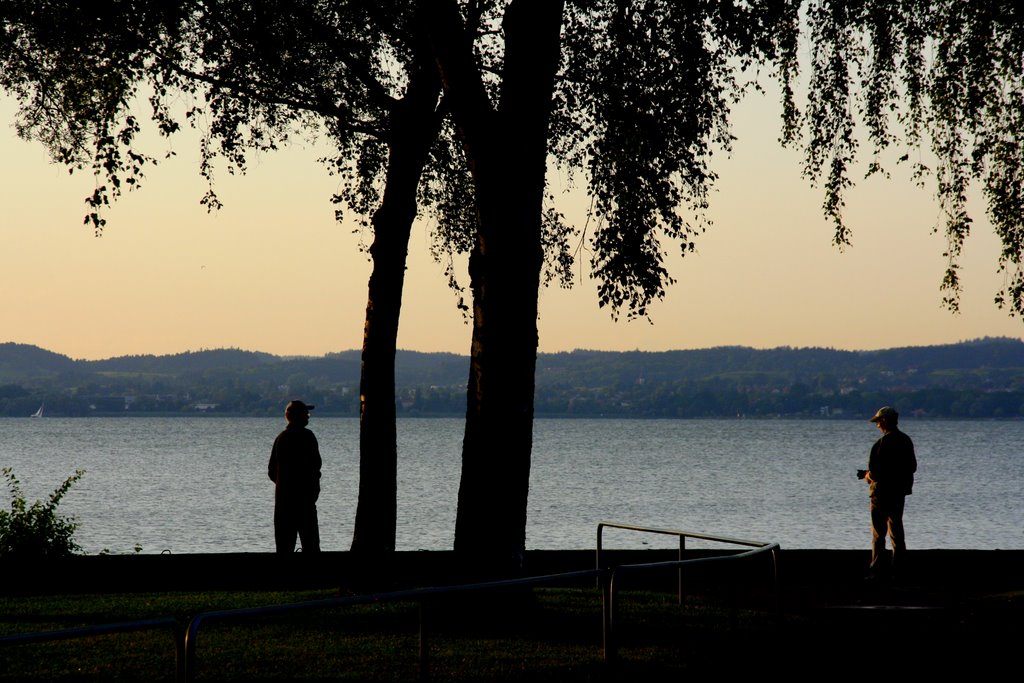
column 641, row 108
column 945, row 76
column 641, row 103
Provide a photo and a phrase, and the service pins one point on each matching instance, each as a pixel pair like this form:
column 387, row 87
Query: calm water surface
column 200, row 484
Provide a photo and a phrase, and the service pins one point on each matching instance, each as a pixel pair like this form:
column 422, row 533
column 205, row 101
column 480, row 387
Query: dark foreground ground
column 825, row 578
column 952, row 612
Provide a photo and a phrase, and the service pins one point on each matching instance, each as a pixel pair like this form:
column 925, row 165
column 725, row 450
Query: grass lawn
column 543, row 634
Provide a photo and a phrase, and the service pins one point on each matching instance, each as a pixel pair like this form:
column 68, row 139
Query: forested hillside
column 981, row 378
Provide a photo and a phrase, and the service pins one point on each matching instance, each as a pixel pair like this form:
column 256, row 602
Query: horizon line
column 325, row 354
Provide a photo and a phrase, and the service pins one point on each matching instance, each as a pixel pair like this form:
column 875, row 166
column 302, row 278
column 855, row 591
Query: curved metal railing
column 611, row 586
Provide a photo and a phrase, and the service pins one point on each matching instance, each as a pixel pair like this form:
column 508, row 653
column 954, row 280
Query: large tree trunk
column 414, row 126
column 507, row 151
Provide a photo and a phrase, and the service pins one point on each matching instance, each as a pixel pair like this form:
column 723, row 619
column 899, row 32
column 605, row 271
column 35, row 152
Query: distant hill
column 983, row 377
column 20, row 362
column 930, row 365
column 179, row 363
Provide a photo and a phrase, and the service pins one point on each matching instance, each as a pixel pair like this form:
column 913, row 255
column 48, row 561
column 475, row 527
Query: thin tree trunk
column 414, row 126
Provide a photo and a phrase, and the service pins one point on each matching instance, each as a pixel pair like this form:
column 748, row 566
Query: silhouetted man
column 295, row 468
column 890, row 478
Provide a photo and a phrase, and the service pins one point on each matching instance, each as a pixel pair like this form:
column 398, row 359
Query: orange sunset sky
column 274, row 272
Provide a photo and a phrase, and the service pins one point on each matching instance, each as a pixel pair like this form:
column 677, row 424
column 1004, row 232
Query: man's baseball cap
column 885, row 413
column 298, row 405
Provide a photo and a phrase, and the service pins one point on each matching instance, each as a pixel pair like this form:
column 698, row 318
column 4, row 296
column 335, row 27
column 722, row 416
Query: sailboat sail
column 38, row 413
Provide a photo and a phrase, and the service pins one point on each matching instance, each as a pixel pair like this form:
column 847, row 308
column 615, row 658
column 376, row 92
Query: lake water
column 199, row 485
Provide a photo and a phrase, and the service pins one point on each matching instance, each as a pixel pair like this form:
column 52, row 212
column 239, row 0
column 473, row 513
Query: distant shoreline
column 553, row 416
column 981, row 379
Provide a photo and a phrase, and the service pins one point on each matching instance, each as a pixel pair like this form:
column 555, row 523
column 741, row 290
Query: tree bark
column 413, row 128
column 506, row 149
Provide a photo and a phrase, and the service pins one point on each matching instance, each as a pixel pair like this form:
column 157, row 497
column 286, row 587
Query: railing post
column 424, row 650
column 682, row 551
column 191, row 633
column 179, row 654
column 608, row 617
column 734, row 620
column 776, row 552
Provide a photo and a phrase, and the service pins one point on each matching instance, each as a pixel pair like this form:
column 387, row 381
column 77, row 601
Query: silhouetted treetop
column 943, row 77
column 642, row 105
column 642, row 101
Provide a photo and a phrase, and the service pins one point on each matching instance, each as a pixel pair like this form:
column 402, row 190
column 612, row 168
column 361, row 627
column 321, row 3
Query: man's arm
column 872, row 462
column 316, row 456
column 272, row 465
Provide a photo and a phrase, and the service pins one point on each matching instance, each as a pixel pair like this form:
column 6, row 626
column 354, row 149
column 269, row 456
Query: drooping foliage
column 76, row 69
column 642, row 107
column 249, row 76
column 944, row 81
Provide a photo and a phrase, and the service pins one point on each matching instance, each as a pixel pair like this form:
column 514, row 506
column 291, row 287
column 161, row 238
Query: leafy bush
column 37, row 530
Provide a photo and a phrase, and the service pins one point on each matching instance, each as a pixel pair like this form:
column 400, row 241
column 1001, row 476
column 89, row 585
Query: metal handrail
column 418, row 595
column 105, row 629
column 613, row 583
column 682, row 535
column 672, row 532
column 610, row 589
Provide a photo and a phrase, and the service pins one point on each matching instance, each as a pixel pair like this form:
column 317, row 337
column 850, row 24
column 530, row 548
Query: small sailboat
column 38, row 413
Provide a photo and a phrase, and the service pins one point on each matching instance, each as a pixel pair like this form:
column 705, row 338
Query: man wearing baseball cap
column 890, row 478
column 295, row 469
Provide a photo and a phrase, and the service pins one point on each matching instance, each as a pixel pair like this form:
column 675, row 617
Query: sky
column 273, row 271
